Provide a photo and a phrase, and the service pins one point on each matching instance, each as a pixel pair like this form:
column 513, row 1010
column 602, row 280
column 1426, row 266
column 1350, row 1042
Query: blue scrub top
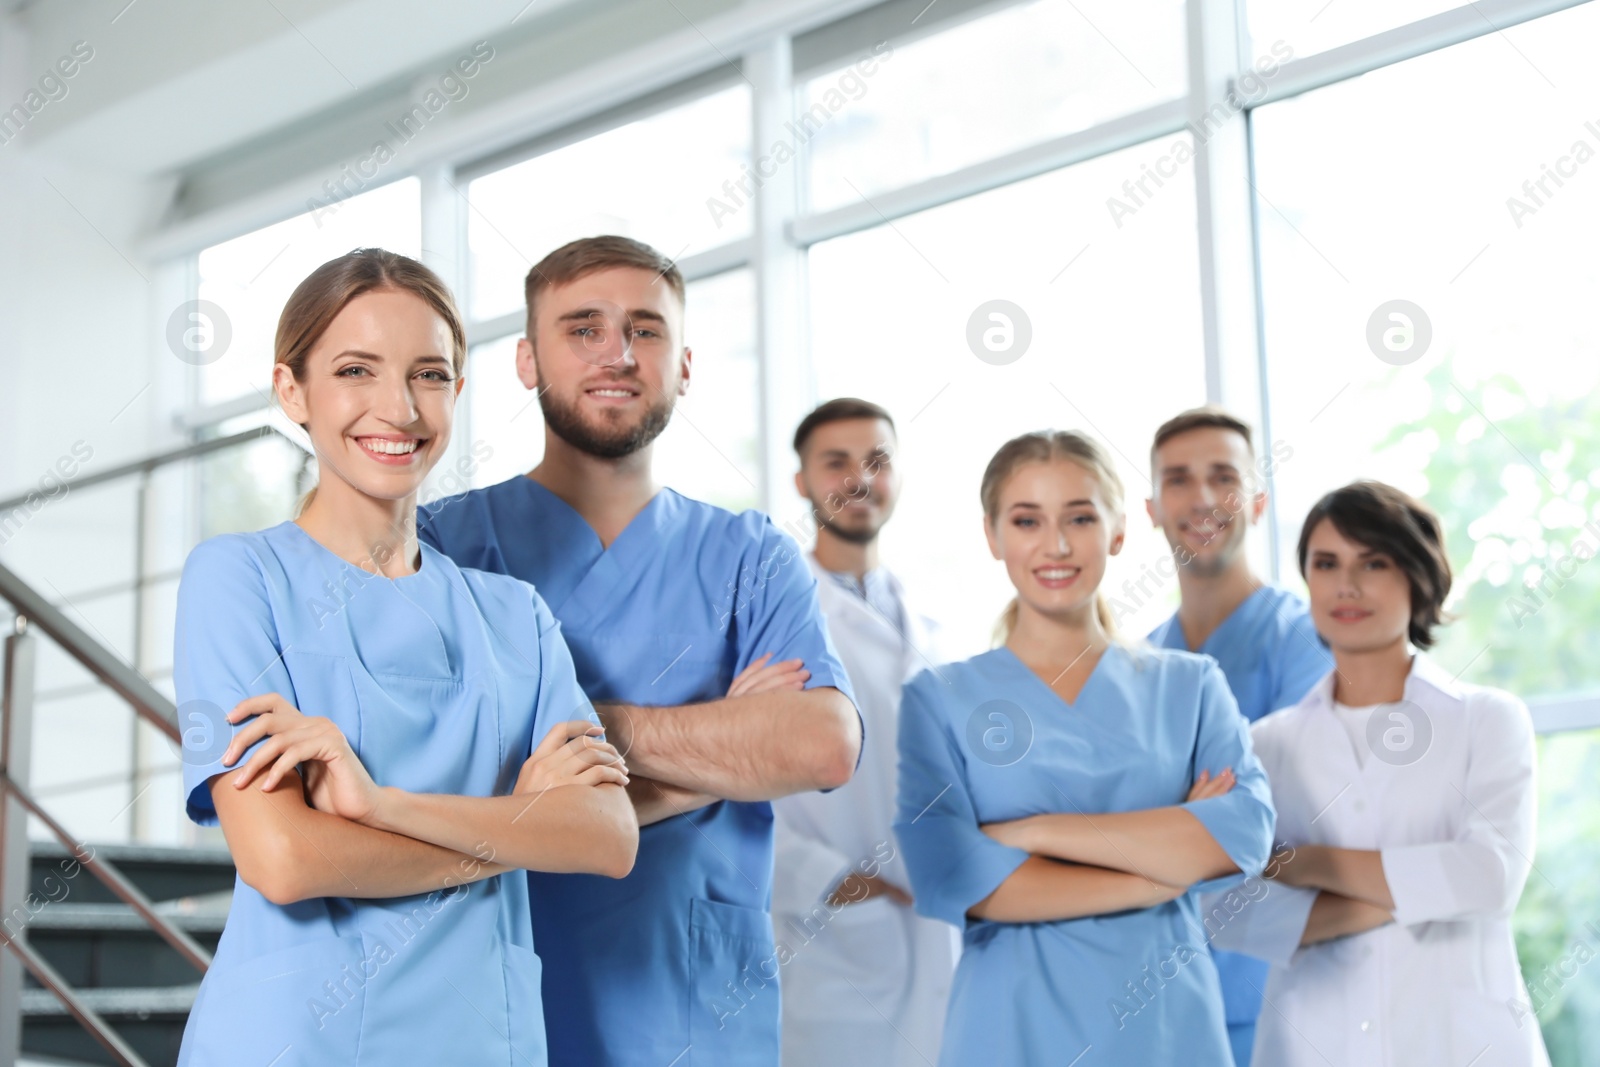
column 1271, row 655
column 674, row 964
column 987, row 740
column 442, row 681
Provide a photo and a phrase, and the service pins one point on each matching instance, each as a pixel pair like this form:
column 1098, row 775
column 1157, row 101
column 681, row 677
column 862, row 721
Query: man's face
column 605, row 353
column 848, row 474
column 1205, row 498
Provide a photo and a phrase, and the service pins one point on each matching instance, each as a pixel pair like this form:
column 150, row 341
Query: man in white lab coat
column 867, row 979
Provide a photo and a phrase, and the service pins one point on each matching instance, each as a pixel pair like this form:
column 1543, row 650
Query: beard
column 859, row 535
column 613, row 439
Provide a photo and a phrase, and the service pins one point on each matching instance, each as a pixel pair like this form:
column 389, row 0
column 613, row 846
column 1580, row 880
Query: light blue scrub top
column 986, row 740
column 1271, row 655
column 674, row 964
column 442, row 681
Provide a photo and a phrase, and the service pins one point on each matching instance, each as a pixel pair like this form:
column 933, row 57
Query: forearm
column 288, row 852
column 756, row 747
column 1333, row 915
column 1166, row 845
column 569, row 829
column 1045, row 890
column 655, row 801
column 1349, row 872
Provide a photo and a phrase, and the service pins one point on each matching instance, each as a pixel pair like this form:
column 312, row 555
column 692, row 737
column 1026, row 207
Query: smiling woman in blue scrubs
column 386, row 739
column 1061, row 794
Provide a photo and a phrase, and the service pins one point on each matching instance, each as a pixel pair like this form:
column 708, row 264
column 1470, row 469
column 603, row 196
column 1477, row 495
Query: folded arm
column 1333, row 916
column 753, row 747
column 1354, row 873
column 1045, row 890
column 288, row 851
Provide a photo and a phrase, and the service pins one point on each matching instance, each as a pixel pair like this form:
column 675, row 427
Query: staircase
column 115, row 962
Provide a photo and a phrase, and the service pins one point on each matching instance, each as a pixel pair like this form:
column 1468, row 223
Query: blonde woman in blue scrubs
column 387, row 740
column 1061, row 794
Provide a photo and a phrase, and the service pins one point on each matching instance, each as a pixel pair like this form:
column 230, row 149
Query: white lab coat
column 1448, row 797
column 867, row 984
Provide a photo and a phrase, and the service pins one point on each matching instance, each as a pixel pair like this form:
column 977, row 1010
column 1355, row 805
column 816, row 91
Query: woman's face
column 1360, row 598
column 379, row 394
column 1054, row 532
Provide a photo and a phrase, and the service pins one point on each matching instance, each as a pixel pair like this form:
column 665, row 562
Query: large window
column 1017, row 310
column 900, row 113
column 245, row 282
column 1428, row 306
column 660, row 180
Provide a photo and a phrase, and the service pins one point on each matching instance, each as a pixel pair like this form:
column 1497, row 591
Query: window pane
column 250, row 277
column 709, row 449
column 653, row 180
column 1310, row 26
column 1022, row 75
column 1115, row 349
column 1555, row 926
column 1440, row 182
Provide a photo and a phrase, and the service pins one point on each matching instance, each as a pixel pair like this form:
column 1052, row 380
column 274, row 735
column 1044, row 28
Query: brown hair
column 1042, row 446
column 1387, row 520
column 583, row 257
column 325, row 292
column 838, row 410
column 317, row 301
column 1207, row 416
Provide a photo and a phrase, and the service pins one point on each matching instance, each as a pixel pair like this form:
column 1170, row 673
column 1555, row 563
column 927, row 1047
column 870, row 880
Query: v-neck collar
column 649, row 516
column 1073, row 705
column 1242, row 611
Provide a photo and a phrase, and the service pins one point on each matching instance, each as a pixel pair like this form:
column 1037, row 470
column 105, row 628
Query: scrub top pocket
column 733, row 980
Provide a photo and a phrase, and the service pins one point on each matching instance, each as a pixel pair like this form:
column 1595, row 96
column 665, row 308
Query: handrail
column 116, row 675
column 87, row 1017
column 115, row 881
column 162, row 459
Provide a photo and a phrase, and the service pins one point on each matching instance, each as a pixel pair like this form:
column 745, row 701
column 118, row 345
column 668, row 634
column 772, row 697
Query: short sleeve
column 226, row 649
column 1241, row 820
column 1303, row 661
column 952, row 863
column 1480, row 873
column 1259, row 918
column 781, row 615
column 560, row 698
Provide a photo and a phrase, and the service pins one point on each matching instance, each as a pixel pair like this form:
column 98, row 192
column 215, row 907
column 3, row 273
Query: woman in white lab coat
column 1406, row 807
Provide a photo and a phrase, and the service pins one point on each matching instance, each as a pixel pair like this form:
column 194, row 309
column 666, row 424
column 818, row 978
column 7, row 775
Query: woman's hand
column 1206, row 786
column 335, row 780
column 762, row 677
column 572, row 753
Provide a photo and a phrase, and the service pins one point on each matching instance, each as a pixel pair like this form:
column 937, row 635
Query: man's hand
column 856, row 887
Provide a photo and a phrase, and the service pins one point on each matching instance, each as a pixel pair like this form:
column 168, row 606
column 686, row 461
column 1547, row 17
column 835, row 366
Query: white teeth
column 1053, row 575
column 390, row 448
column 610, row 392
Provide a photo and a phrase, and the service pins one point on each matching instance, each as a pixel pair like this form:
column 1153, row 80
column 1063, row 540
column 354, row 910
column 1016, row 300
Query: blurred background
column 1367, row 228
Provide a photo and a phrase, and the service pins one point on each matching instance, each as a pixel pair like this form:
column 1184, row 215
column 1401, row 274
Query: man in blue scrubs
column 665, row 602
column 1208, row 493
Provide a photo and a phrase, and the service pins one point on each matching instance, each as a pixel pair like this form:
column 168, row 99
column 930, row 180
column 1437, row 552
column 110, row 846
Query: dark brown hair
column 1208, row 416
column 1387, row 520
column 838, row 410
column 583, row 257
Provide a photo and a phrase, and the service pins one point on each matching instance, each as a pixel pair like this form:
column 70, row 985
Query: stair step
column 201, row 915
column 114, row 1004
column 161, row 872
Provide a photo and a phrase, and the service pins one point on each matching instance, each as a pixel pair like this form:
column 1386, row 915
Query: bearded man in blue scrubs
column 1208, row 493
column 667, row 605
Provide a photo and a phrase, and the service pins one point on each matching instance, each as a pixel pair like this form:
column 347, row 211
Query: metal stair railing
column 34, row 611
